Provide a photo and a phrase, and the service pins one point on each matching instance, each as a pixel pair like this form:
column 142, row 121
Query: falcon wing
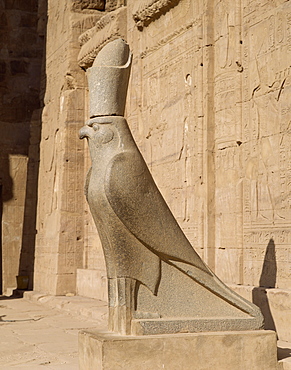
column 136, row 200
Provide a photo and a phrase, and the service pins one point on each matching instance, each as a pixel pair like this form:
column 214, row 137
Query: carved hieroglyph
column 157, row 283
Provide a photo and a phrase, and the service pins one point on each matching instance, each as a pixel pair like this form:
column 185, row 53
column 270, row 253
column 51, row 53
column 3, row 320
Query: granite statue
column 157, row 283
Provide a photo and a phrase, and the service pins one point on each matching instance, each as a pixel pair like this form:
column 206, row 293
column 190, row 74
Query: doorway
column 1, row 262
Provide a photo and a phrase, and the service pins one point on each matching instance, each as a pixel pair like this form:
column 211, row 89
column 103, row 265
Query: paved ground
column 42, row 332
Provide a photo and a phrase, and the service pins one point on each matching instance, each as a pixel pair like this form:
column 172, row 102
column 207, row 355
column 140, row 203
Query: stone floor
column 37, row 331
column 40, row 331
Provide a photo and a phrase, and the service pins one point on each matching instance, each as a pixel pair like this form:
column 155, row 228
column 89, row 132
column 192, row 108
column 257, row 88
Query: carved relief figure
column 157, row 283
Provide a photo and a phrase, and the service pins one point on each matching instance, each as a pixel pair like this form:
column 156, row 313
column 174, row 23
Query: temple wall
column 21, row 49
column 252, row 140
column 208, row 107
column 168, row 113
column 61, row 203
column 211, row 118
column 267, row 156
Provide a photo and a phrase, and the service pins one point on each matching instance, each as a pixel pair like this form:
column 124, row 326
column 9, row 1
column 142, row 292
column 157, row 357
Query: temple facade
column 209, row 107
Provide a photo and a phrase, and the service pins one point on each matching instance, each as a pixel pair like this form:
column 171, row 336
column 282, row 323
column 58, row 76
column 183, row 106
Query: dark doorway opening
column 1, row 267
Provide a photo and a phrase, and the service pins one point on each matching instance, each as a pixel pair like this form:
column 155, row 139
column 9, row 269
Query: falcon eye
column 95, row 127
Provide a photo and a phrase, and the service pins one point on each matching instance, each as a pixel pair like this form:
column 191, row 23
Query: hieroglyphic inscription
column 227, row 117
column 267, row 141
column 173, row 140
column 267, row 252
column 288, row 30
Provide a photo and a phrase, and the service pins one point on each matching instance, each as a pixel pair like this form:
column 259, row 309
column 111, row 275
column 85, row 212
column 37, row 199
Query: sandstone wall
column 252, row 148
column 21, row 45
column 209, row 106
column 268, row 215
column 169, row 110
column 61, row 204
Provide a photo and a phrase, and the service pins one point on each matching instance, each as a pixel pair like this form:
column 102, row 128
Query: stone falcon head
column 108, row 81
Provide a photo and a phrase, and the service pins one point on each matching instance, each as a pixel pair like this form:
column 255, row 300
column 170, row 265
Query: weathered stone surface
column 35, row 335
column 284, row 351
column 275, row 306
column 88, row 4
column 12, row 220
column 149, row 10
column 108, row 80
column 213, row 140
column 280, row 307
column 60, row 237
column 153, row 271
column 220, row 70
column 114, row 4
column 92, row 283
column 262, row 216
column 110, row 27
column 220, row 351
column 21, row 53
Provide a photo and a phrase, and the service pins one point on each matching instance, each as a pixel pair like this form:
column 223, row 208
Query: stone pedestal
column 254, row 350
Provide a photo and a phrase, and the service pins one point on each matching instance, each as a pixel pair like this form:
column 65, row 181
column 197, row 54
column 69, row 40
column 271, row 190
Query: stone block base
column 275, row 305
column 238, row 350
column 92, row 284
column 192, row 325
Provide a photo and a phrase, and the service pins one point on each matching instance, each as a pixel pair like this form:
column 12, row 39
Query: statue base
column 193, row 325
column 238, row 350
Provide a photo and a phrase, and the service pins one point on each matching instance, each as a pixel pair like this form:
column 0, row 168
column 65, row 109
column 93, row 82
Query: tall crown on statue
column 108, row 80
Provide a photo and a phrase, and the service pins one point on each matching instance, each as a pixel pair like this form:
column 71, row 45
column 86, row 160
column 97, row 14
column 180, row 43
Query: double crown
column 108, row 80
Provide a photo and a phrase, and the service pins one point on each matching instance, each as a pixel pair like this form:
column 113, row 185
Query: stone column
column 59, row 242
column 20, row 64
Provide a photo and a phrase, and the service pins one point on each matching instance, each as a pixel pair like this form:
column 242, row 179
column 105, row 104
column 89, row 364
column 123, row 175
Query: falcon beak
column 84, row 132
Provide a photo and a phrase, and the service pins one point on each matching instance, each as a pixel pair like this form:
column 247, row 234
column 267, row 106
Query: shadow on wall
column 27, row 253
column 21, row 86
column 1, row 206
column 26, row 258
column 267, row 281
column 6, row 193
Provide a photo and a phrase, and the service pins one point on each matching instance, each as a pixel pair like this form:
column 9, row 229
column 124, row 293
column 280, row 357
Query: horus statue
column 157, row 283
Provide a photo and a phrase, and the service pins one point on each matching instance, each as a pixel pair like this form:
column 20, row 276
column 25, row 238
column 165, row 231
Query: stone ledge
column 108, row 28
column 284, row 364
column 193, row 325
column 275, row 305
column 149, row 10
column 254, row 350
column 284, row 355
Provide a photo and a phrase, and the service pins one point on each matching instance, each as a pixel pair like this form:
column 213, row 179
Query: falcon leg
column 121, row 295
